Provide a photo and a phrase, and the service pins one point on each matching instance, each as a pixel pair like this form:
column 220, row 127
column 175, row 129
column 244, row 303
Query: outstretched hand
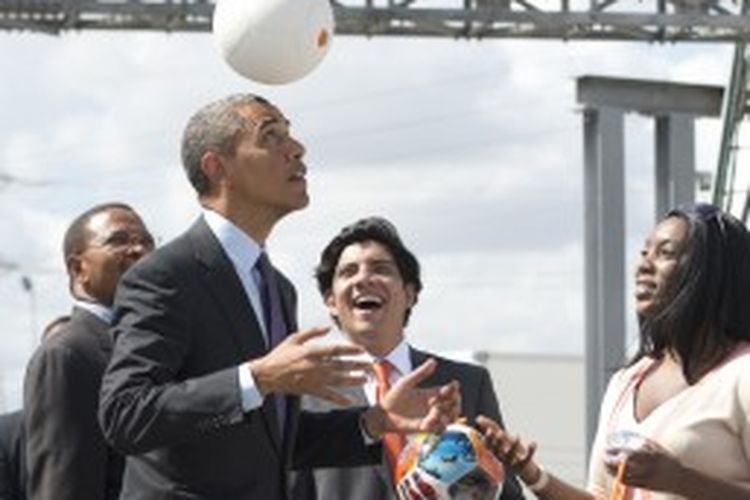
column 509, row 449
column 297, row 366
column 407, row 408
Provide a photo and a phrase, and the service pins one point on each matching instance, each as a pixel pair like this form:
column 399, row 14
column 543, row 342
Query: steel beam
column 655, row 20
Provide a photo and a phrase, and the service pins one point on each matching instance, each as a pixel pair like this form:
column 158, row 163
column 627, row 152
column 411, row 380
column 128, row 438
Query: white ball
column 273, row 41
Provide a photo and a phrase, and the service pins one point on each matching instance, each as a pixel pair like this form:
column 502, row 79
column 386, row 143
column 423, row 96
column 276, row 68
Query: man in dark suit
column 201, row 391
column 12, row 467
column 66, row 454
column 370, row 281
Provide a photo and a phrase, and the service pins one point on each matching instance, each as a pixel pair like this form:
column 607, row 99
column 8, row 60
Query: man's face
column 369, row 298
column 266, row 173
column 664, row 251
column 117, row 238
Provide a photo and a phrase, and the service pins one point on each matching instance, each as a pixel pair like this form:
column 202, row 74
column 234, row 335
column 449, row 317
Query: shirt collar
column 102, row 312
column 399, row 357
column 242, row 250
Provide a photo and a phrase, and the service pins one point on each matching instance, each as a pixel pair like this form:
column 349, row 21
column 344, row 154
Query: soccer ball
column 455, row 464
column 273, row 41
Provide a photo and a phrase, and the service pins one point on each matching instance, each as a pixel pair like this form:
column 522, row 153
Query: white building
column 542, row 400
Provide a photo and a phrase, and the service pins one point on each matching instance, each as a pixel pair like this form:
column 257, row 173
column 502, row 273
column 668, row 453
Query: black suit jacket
column 171, row 398
column 374, row 482
column 12, row 457
column 66, row 453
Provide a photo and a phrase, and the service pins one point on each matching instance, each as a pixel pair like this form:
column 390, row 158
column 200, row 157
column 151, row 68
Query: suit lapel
column 417, row 358
column 220, row 279
column 222, row 282
column 98, row 330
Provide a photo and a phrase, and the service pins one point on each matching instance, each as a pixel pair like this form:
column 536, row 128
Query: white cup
column 621, row 444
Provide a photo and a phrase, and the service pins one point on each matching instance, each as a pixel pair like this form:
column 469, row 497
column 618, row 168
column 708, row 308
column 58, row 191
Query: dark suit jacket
column 12, row 453
column 66, row 454
column 171, row 398
column 374, row 482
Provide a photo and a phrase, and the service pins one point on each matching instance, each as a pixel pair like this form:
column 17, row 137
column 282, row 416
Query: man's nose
column 363, row 276
column 140, row 246
column 296, row 149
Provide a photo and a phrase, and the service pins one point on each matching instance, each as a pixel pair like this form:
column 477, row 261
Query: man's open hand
column 407, row 408
column 296, row 366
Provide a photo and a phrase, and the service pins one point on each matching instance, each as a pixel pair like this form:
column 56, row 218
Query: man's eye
column 117, row 239
column 346, row 271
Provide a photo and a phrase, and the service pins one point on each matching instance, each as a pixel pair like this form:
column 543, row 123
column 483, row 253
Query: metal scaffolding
column 649, row 20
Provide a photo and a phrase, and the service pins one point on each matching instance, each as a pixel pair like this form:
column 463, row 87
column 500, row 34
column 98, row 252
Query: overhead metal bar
column 649, row 20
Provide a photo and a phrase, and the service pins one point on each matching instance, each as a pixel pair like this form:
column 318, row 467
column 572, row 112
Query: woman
column 685, row 395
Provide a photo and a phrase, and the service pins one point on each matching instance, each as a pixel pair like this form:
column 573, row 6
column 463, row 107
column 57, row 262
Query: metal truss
column 645, row 20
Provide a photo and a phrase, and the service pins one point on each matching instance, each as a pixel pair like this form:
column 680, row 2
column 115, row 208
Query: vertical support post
column 674, row 162
column 604, row 253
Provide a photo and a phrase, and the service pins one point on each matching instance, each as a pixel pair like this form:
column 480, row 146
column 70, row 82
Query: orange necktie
column 392, row 443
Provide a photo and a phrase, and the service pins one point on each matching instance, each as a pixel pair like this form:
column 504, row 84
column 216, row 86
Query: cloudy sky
column 473, row 149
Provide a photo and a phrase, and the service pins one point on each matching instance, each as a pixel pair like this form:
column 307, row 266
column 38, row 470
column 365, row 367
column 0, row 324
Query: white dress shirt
column 102, row 312
column 401, row 363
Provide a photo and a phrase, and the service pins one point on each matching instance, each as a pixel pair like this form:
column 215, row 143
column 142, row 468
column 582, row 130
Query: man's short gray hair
column 213, row 127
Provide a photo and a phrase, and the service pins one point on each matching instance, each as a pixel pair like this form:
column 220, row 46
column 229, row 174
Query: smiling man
column 370, row 282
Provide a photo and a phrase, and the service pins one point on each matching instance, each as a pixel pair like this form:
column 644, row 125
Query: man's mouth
column 368, row 302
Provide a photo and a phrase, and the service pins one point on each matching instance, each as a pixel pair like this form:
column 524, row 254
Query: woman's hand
column 650, row 467
column 516, row 455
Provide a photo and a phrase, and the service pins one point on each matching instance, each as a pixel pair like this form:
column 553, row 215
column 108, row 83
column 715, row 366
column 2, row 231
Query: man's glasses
column 120, row 240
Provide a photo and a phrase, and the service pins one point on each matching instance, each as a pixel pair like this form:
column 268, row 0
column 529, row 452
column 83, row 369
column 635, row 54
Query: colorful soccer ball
column 455, row 464
column 273, row 41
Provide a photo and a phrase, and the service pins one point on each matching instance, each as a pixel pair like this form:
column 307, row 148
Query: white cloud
column 472, row 148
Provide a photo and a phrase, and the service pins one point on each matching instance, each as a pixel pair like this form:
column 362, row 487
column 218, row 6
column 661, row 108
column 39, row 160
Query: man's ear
column 76, row 272
column 411, row 295
column 212, row 166
column 74, row 265
column 331, row 304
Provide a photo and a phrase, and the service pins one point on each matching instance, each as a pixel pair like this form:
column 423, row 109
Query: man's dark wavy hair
column 369, row 229
column 709, row 308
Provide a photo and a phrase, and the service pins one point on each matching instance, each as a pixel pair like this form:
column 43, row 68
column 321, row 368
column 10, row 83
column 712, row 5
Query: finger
column 530, row 451
column 450, row 408
column 333, row 396
column 306, row 335
column 487, row 424
column 513, row 451
column 344, row 380
column 343, row 365
column 444, row 394
column 453, row 389
column 416, row 376
column 432, row 423
column 336, row 351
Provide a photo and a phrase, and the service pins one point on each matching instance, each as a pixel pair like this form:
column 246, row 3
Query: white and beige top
column 706, row 426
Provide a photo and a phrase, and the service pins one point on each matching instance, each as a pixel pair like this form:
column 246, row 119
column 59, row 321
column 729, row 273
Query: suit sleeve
column 489, row 407
column 144, row 403
column 66, row 455
column 333, row 439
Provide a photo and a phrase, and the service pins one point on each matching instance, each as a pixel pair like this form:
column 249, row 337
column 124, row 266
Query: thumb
column 419, row 374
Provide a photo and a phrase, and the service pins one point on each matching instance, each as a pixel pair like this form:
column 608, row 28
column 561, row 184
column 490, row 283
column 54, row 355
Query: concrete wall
column 542, row 399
